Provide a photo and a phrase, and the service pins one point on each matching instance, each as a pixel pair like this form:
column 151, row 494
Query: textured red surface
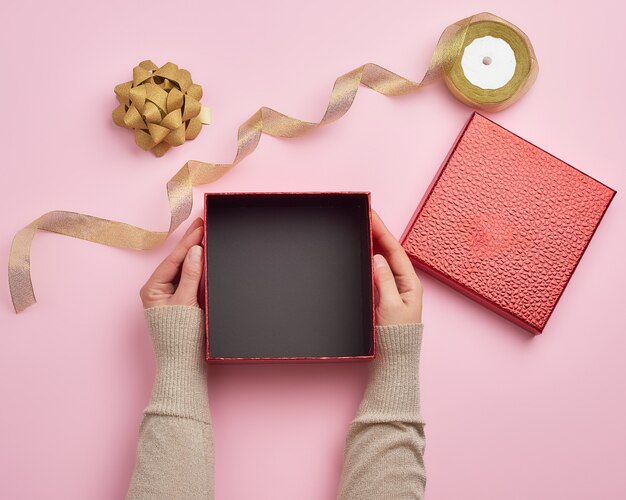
column 506, row 223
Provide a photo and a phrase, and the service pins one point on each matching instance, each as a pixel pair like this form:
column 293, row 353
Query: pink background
column 508, row 416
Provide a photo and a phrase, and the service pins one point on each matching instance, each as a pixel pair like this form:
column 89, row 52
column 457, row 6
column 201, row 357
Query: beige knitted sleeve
column 383, row 457
column 175, row 456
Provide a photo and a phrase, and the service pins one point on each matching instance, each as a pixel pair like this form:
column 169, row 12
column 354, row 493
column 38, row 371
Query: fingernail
column 195, row 254
column 379, row 261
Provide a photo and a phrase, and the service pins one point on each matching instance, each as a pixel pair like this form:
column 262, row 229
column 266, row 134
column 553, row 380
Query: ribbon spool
column 495, row 66
column 454, row 60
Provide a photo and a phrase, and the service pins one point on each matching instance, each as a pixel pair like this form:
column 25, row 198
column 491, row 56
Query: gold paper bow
column 162, row 105
column 444, row 65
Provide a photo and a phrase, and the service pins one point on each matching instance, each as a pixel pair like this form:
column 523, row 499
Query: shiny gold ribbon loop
column 446, row 64
column 161, row 105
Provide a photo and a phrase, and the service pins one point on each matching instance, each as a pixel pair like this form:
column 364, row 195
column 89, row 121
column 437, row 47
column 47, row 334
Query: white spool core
column 488, row 62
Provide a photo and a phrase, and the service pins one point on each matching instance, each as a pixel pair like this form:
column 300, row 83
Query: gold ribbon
column 162, row 105
column 444, row 64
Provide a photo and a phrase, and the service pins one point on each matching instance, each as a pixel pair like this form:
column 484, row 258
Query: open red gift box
column 288, row 276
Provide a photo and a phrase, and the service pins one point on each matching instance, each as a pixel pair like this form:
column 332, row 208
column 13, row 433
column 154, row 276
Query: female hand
column 399, row 289
column 175, row 281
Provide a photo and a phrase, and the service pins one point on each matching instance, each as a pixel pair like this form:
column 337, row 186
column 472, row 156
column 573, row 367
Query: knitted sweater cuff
column 393, row 390
column 180, row 387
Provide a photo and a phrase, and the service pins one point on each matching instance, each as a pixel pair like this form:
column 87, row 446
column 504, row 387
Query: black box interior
column 288, row 275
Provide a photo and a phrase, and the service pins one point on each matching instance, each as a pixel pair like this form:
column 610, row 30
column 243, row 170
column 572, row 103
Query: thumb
column 384, row 280
column 187, row 291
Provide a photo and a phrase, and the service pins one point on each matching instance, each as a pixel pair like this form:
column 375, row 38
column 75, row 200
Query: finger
column 168, row 270
column 187, row 291
column 194, row 225
column 397, row 258
column 384, row 281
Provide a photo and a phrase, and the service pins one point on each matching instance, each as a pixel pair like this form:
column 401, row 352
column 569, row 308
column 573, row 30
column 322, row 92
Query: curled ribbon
column 445, row 64
column 162, row 105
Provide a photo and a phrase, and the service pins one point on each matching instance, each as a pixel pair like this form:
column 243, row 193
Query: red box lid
column 506, row 223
